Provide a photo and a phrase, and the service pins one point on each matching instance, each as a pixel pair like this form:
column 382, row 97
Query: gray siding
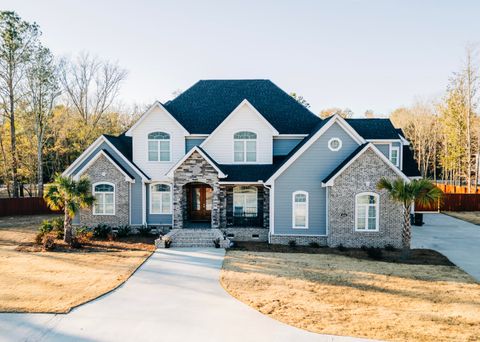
column 385, row 149
column 282, row 147
column 136, row 188
column 191, row 143
column 161, row 219
column 306, row 174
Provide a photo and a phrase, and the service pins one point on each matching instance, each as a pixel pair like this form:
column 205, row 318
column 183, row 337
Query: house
column 243, row 159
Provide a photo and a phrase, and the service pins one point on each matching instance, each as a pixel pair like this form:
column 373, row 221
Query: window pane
column 161, row 187
column 360, row 222
column 109, row 208
column 238, row 156
column 363, row 199
column 300, row 198
column 251, row 146
column 238, row 203
column 164, row 156
column 164, row 146
column 251, row 156
column 361, row 211
column 155, row 203
column 372, row 222
column 238, row 146
column 208, row 198
column 372, row 211
column 159, row 135
column 98, row 203
column 152, row 151
column 103, row 188
column 165, row 203
column 109, row 198
column 245, row 135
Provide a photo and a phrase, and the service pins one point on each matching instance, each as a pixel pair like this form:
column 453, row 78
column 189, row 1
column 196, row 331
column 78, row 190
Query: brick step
column 193, row 238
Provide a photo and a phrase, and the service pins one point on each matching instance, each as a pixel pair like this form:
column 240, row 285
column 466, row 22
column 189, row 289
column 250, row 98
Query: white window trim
column 157, row 140
column 377, row 211
column 245, row 147
column 396, row 148
column 300, row 192
column 244, row 201
column 114, row 201
column 151, row 202
column 339, row 144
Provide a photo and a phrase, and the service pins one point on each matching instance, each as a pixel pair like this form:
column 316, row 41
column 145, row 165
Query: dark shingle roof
column 202, row 107
column 374, row 128
column 345, row 162
column 410, row 167
column 124, row 145
column 251, row 173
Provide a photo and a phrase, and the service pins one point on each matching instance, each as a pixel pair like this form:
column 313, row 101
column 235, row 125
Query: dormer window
column 159, row 147
column 245, row 147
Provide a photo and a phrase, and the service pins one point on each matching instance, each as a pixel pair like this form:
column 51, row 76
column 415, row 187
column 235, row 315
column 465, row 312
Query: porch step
column 193, row 238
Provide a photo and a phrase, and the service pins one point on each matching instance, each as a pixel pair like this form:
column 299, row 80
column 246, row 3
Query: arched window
column 366, row 211
column 245, row 203
column 300, row 209
column 159, row 146
column 245, row 147
column 160, row 199
column 104, row 194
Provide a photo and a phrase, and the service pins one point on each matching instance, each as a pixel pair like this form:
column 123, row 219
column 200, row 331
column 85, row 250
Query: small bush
column 58, row 227
column 45, row 227
column 216, row 242
column 390, row 248
column 314, row 244
column 124, row 231
column 84, row 234
column 48, row 242
column 102, row 231
column 167, row 242
column 341, row 248
column 374, row 253
column 76, row 242
column 39, row 238
column 292, row 243
column 53, row 227
column 144, row 230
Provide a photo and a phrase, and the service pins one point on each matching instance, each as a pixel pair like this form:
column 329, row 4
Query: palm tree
column 421, row 191
column 69, row 195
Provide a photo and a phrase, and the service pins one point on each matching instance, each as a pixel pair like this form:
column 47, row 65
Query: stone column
column 216, row 205
column 178, row 205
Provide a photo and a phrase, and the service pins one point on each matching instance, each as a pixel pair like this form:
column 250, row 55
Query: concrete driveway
column 456, row 239
column 174, row 296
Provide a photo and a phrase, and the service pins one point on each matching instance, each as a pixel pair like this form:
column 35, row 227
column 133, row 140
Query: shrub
column 314, row 244
column 124, row 230
column 390, row 248
column 48, row 242
column 84, row 234
column 76, row 242
column 167, row 242
column 375, row 253
column 57, row 227
column 54, row 226
column 341, row 248
column 102, row 231
column 216, row 242
column 292, row 243
column 39, row 238
column 364, row 248
column 45, row 227
column 144, row 230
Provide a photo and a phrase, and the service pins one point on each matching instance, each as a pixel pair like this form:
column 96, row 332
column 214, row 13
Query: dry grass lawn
column 339, row 295
column 469, row 216
column 35, row 281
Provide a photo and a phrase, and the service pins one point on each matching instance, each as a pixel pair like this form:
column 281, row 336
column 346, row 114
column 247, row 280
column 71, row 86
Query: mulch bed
column 414, row 256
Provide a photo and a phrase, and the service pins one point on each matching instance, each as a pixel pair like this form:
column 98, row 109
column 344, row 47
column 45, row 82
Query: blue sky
column 363, row 55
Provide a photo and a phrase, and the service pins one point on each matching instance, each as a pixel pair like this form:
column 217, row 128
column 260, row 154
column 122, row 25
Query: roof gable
column 374, row 128
column 205, row 105
column 128, row 176
column 204, row 155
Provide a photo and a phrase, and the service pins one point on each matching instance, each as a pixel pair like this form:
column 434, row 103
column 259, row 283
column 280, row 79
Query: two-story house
column 243, row 158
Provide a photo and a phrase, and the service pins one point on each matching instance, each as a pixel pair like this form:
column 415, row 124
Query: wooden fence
column 23, row 206
column 453, row 202
column 456, row 189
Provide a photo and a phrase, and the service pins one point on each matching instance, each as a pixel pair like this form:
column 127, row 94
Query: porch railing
column 246, row 219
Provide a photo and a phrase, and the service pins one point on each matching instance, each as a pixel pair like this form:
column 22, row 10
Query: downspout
column 270, row 211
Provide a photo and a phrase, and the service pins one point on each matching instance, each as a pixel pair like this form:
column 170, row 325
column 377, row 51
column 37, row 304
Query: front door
column 199, row 202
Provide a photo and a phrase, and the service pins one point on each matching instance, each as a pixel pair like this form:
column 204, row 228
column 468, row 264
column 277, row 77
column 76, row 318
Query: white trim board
column 228, row 118
column 371, row 146
column 186, row 156
column 334, row 119
column 156, row 104
column 94, row 159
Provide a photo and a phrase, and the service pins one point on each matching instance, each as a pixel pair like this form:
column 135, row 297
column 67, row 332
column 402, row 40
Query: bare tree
column 42, row 90
column 344, row 113
column 17, row 39
column 91, row 86
column 471, row 79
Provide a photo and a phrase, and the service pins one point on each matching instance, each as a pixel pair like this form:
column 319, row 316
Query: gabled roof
column 202, row 107
column 329, row 180
column 374, row 128
column 204, row 155
column 128, row 176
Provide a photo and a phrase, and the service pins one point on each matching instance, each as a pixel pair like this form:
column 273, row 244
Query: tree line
column 51, row 108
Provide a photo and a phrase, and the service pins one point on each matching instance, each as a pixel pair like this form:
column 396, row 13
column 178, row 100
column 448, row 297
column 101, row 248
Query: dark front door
column 199, row 202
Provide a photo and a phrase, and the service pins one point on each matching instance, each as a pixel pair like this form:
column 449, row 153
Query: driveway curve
column 174, row 296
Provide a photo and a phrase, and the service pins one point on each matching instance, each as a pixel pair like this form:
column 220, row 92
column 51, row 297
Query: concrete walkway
column 456, row 239
column 174, row 296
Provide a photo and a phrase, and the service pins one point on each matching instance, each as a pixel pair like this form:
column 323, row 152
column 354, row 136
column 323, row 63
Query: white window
column 300, row 209
column 245, row 147
column 366, row 211
column 104, row 194
column 245, row 202
column 335, row 144
column 160, row 199
column 395, row 155
column 159, row 147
